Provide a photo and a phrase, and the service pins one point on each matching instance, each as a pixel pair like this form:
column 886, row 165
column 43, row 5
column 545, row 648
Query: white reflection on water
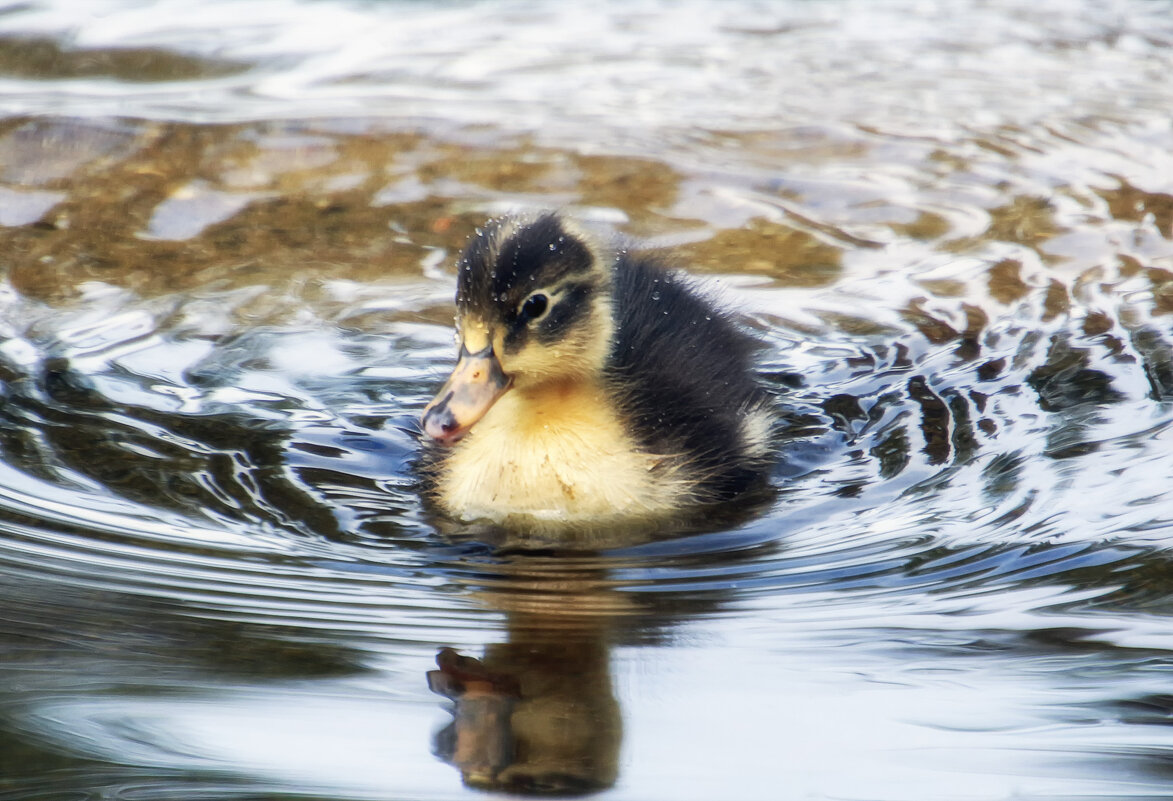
column 641, row 68
column 332, row 739
column 798, row 721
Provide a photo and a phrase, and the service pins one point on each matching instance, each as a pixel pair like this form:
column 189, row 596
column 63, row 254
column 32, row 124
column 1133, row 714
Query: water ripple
column 227, row 235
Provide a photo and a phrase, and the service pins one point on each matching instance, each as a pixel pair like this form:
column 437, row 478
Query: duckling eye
column 533, row 308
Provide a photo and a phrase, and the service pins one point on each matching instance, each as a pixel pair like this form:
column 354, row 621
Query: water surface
column 227, row 232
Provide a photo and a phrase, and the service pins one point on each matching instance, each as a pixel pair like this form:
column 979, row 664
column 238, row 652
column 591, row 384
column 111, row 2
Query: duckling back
column 682, row 371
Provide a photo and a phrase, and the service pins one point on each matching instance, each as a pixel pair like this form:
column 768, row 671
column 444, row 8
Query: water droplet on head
column 656, row 295
column 553, row 247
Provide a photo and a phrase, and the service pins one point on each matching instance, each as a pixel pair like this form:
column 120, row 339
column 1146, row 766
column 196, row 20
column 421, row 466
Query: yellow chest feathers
column 556, row 454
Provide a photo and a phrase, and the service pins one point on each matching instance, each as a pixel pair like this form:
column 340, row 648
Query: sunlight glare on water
column 227, row 234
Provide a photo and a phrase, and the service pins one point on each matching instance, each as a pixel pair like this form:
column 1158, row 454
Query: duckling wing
column 682, row 370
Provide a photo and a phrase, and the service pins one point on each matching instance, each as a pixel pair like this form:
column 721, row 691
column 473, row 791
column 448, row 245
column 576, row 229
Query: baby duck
column 591, row 388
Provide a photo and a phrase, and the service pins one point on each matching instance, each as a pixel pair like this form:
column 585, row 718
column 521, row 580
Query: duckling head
column 533, row 309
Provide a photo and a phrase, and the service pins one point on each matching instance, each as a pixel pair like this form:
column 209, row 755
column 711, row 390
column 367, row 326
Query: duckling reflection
column 532, row 716
column 592, row 389
column 537, row 714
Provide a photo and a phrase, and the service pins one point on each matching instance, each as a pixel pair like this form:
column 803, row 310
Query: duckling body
column 592, row 388
column 560, row 453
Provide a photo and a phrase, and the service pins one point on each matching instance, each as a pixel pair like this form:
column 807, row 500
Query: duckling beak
column 476, row 383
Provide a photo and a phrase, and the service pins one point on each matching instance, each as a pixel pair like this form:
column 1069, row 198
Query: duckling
column 591, row 388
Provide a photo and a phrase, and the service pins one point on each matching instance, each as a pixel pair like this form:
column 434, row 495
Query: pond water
column 227, row 232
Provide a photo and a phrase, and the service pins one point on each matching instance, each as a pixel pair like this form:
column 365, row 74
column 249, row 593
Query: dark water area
column 227, row 233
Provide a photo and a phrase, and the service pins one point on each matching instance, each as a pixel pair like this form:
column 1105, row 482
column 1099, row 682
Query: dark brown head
column 533, row 301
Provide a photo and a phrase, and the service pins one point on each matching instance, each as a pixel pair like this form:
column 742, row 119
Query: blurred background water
column 226, row 235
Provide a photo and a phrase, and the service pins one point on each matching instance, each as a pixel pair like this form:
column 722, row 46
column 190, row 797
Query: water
column 227, row 230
